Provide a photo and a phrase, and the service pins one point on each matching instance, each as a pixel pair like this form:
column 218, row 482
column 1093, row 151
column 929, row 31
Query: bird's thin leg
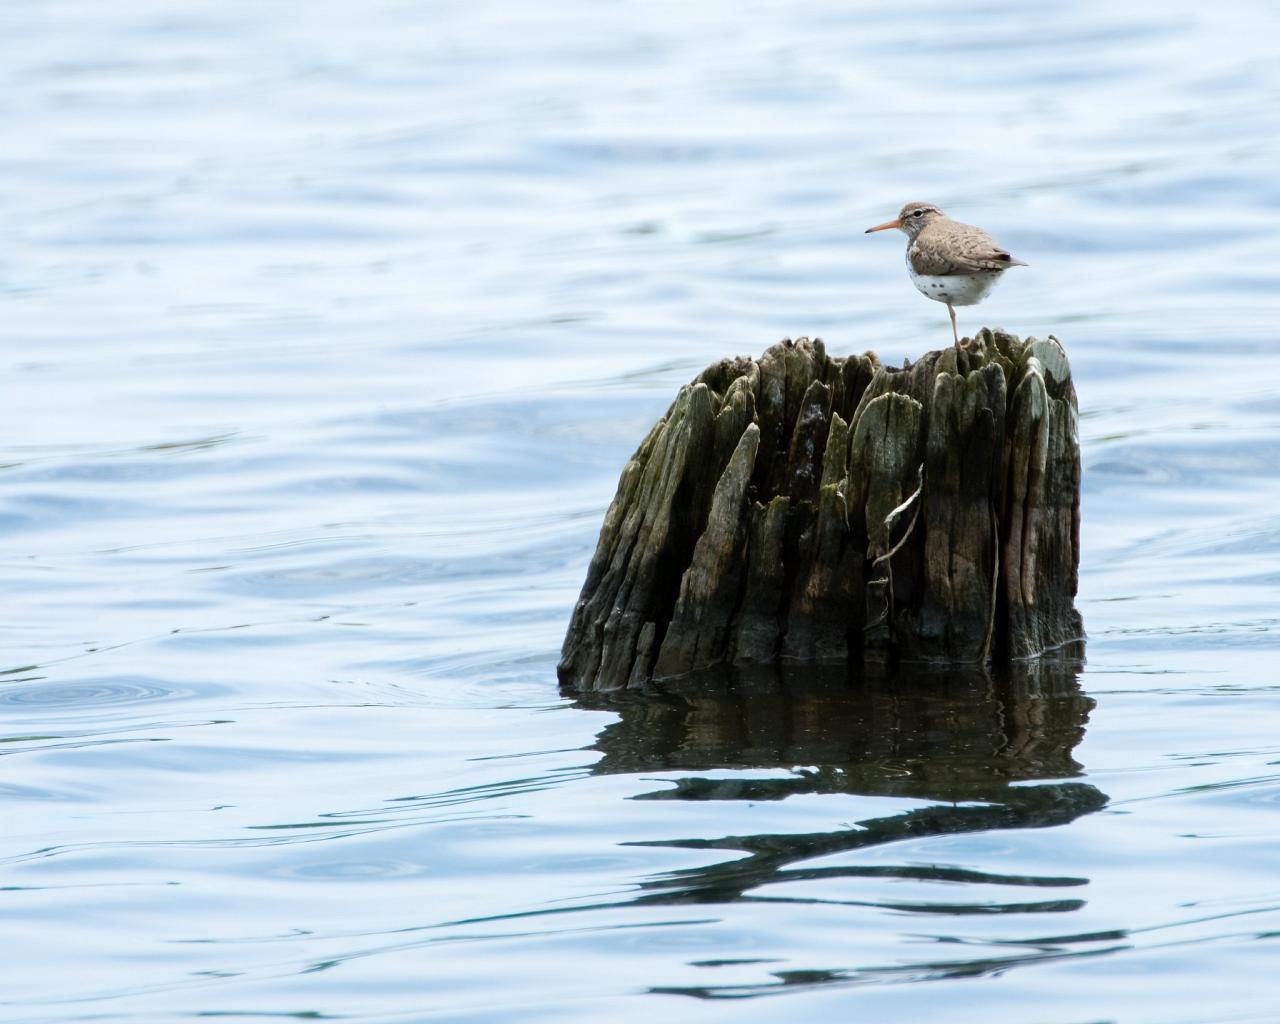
column 954, row 333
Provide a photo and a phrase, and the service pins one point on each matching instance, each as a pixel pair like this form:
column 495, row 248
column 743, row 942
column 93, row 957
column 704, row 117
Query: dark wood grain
column 805, row 507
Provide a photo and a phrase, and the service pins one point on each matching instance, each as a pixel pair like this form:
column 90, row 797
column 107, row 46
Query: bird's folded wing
column 969, row 252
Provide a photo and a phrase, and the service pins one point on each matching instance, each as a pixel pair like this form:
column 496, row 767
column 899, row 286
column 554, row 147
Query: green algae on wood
column 805, row 507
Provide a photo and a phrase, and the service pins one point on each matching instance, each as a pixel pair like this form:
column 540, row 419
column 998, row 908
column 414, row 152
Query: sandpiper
column 948, row 261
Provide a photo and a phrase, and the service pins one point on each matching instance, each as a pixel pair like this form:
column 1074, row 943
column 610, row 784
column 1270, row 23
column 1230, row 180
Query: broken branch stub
column 805, row 507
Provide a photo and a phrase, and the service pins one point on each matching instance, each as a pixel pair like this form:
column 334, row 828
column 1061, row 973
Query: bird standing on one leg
column 949, row 262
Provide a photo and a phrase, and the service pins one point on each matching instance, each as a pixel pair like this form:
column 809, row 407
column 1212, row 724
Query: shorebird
column 948, row 261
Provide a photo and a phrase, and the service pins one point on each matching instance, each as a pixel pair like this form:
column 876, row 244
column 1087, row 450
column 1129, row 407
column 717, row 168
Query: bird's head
column 911, row 220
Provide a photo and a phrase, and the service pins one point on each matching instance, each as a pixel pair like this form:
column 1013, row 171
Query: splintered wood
column 810, row 508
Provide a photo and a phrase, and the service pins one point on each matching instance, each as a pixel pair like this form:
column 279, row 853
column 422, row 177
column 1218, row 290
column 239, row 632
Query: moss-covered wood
column 805, row 507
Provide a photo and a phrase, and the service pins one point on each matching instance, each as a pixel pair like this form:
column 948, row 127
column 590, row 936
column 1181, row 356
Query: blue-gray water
column 327, row 328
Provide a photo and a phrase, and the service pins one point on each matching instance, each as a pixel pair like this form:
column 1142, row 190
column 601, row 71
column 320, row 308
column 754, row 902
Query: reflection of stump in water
column 960, row 738
column 943, row 735
column 812, row 508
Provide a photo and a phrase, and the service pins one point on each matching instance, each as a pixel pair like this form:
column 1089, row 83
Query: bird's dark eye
column 918, row 213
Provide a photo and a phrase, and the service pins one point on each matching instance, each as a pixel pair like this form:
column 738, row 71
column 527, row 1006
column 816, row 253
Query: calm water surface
column 327, row 329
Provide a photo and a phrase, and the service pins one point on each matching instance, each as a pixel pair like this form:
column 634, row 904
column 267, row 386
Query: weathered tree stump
column 816, row 508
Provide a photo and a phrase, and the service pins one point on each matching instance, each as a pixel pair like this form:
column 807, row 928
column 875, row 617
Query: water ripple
column 87, row 694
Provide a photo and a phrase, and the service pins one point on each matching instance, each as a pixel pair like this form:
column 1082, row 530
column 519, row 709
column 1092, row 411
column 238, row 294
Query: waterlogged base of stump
column 805, row 507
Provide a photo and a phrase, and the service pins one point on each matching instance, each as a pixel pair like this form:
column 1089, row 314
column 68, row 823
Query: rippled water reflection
column 326, row 333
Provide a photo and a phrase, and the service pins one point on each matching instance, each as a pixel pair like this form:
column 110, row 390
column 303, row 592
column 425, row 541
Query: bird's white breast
column 957, row 289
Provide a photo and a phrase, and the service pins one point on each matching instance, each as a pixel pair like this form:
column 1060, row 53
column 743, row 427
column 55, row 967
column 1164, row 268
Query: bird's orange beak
column 884, row 227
